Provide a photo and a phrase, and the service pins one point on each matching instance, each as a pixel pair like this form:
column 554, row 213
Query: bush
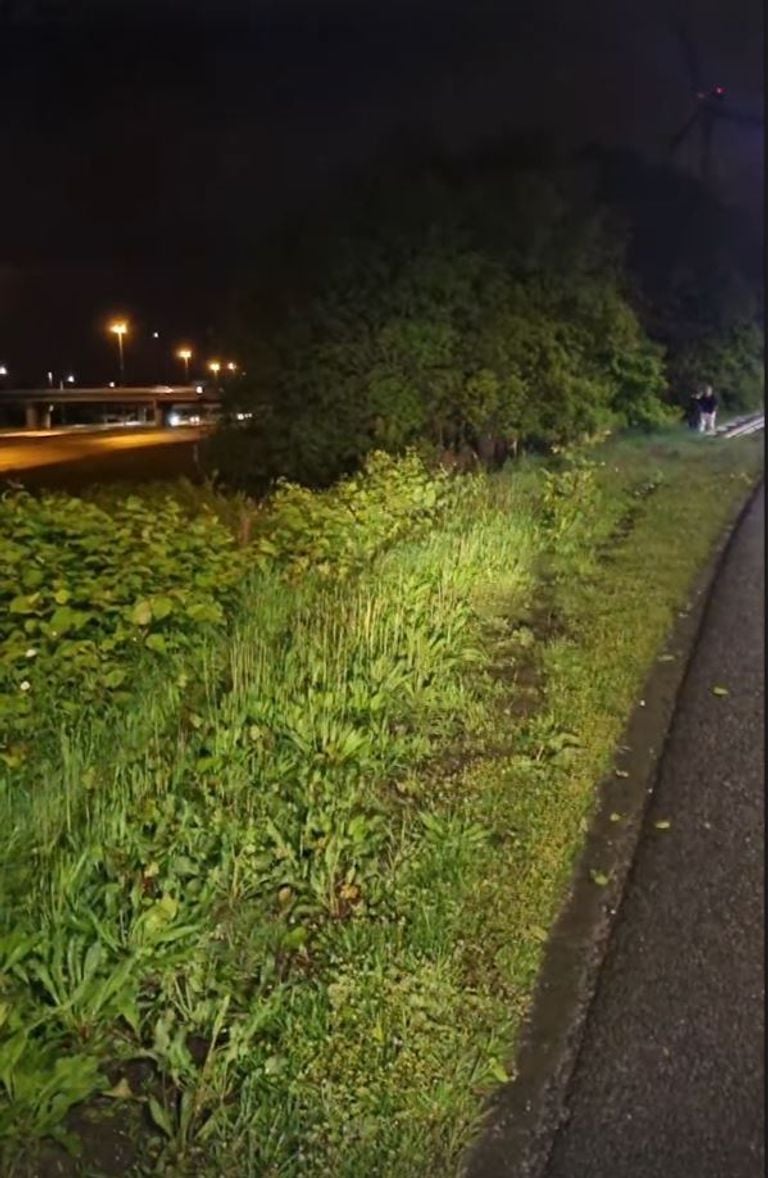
column 341, row 531
column 731, row 361
column 441, row 330
column 85, row 593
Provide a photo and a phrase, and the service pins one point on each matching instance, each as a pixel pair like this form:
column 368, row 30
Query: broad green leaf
column 24, row 604
column 160, row 1116
column 498, row 1071
column 162, row 607
column 141, row 614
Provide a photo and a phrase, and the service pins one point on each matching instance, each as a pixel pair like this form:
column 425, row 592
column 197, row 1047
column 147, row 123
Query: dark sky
column 145, row 149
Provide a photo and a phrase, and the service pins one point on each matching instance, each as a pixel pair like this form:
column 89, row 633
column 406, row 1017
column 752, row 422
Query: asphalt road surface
column 72, row 458
column 670, row 1077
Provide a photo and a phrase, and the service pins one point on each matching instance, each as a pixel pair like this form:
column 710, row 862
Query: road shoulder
column 524, row 1115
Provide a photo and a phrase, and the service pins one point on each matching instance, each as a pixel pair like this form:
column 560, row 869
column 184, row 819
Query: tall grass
column 305, row 877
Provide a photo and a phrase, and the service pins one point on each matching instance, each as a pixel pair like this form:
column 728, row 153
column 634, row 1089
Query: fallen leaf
column 599, row 878
column 621, row 773
column 662, row 824
column 666, row 658
column 121, row 1090
column 720, row 691
column 615, row 817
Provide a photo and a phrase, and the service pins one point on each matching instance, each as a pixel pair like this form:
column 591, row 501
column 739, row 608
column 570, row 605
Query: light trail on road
column 24, row 452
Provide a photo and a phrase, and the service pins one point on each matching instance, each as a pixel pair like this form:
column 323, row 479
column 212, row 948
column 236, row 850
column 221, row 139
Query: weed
column 301, row 862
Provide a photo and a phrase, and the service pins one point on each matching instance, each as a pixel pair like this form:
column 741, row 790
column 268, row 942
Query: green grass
column 288, row 901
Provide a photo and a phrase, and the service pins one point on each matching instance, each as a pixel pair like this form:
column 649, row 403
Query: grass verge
column 290, row 920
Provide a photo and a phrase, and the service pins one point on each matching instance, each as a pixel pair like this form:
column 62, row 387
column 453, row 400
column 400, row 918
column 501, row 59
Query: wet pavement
column 670, row 1076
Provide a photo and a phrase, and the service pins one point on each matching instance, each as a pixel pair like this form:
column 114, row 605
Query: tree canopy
column 481, row 307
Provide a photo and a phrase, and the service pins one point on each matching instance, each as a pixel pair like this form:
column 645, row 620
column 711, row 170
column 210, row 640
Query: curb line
column 523, row 1116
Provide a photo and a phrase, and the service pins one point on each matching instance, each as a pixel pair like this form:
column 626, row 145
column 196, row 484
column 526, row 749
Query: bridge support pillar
column 37, row 416
column 159, row 416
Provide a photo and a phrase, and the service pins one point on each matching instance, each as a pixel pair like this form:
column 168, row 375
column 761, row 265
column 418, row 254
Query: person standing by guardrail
column 708, row 404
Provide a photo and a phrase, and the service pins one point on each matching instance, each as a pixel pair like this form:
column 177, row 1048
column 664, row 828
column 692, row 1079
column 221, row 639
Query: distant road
column 72, row 458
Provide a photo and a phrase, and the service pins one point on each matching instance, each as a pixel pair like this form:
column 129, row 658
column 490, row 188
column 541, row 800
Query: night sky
column 145, row 153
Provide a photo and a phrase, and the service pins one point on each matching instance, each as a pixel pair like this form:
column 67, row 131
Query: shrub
column 85, row 593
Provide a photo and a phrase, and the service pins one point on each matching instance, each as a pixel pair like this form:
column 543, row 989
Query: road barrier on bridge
column 159, row 400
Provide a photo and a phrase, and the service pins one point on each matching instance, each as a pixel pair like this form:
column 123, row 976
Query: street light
column 231, row 367
column 120, row 329
column 215, row 368
column 70, row 379
column 185, row 354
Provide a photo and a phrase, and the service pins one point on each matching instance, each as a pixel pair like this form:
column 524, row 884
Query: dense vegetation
column 476, row 307
column 697, row 276
column 290, row 789
column 275, row 876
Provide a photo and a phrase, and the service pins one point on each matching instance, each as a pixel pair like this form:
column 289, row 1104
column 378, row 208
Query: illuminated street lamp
column 70, row 379
column 215, row 368
column 231, row 367
column 120, row 329
column 185, row 354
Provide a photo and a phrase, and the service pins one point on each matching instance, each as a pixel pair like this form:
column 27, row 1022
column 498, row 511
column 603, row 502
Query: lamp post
column 159, row 358
column 185, row 354
column 120, row 329
column 215, row 368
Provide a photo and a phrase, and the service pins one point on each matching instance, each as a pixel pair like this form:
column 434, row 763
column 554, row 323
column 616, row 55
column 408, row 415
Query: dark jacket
column 708, row 403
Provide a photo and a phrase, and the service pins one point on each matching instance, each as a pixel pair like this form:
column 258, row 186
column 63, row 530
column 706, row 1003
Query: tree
column 696, row 275
column 479, row 312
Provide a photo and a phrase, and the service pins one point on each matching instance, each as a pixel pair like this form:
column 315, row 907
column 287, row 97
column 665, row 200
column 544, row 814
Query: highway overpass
column 161, row 400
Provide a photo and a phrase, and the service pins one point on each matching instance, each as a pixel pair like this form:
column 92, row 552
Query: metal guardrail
column 742, row 426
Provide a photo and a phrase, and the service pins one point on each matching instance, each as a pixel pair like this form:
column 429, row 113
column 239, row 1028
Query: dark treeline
column 478, row 305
